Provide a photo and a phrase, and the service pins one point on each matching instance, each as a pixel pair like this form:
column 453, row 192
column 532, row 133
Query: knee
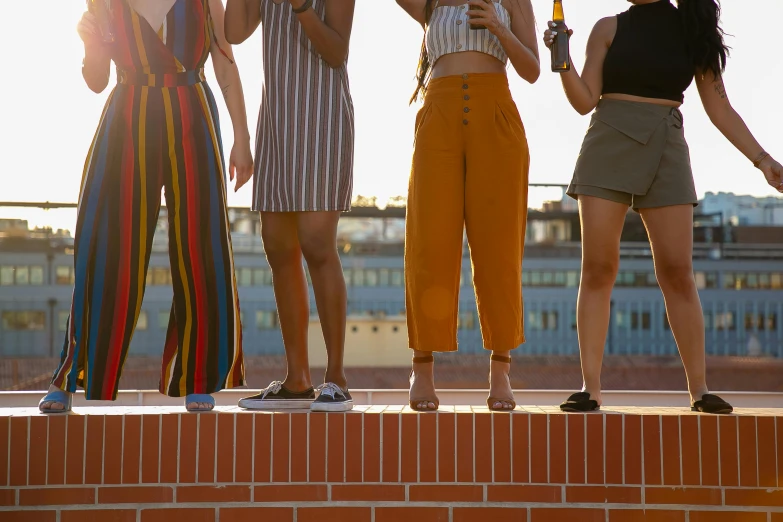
column 599, row 273
column 317, row 249
column 280, row 251
column 675, row 276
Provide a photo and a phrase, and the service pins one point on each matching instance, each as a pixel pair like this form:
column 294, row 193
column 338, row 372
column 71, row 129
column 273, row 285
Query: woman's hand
column 88, row 30
column 773, row 171
column 486, row 15
column 549, row 34
column 240, row 163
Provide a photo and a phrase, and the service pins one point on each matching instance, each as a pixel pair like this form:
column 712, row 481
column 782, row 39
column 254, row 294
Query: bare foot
column 500, row 386
column 422, row 392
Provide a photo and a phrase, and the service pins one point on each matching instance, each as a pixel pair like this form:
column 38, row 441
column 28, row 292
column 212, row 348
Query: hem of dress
column 308, row 209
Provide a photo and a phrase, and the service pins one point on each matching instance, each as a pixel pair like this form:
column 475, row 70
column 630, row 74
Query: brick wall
column 387, row 464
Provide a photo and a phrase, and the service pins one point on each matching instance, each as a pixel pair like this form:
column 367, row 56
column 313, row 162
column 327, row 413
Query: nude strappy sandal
column 414, row 403
column 492, row 400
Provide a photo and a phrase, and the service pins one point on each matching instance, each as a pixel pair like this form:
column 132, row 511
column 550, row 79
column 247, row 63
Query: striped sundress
column 305, row 133
column 159, row 129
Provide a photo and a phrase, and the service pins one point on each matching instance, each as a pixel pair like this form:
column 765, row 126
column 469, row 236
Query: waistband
column 632, row 107
column 161, row 80
column 458, row 85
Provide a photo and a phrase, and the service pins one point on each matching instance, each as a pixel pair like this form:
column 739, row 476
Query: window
column 725, row 321
column 572, row 279
column 383, row 277
column 62, row 320
column 347, row 273
column 36, row 275
column 262, row 277
column 358, row 278
column 245, row 276
column 753, row 281
column 161, row 276
column 62, row 275
column 711, row 279
column 371, row 277
column 634, row 320
column 652, row 280
column 764, row 281
column 396, row 277
column 547, row 279
column 549, row 320
column 266, row 320
column 761, row 322
column 776, row 281
column 142, row 323
column 163, row 319
column 466, row 320
column 560, row 279
column 24, row 321
column 6, row 275
column 728, row 281
column 535, row 278
column 22, row 275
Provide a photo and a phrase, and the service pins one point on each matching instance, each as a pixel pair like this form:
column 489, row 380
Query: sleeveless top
column 649, row 55
column 448, row 31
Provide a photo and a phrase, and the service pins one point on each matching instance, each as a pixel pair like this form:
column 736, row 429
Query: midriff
column 470, row 62
column 628, row 97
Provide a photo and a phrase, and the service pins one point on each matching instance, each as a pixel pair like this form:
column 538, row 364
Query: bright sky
column 49, row 115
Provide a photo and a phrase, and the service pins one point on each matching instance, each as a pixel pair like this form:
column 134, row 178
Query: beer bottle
column 100, row 10
column 473, row 26
column 561, row 57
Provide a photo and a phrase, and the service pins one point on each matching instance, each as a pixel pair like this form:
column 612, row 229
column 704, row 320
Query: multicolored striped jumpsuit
column 159, row 129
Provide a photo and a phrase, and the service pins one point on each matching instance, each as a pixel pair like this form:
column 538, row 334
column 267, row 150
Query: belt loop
column 677, row 114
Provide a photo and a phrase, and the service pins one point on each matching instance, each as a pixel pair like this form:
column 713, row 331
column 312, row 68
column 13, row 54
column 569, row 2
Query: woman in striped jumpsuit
column 159, row 129
column 303, row 179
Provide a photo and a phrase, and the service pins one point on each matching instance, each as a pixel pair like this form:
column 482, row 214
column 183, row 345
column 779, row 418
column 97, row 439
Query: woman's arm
column 331, row 36
column 227, row 75
column 415, row 8
column 97, row 60
column 242, row 19
column 716, row 103
column 520, row 42
column 584, row 92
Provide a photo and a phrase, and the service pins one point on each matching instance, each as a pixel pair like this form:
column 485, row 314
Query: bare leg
column 281, row 243
column 423, row 381
column 671, row 236
column 500, row 383
column 318, row 239
column 602, row 224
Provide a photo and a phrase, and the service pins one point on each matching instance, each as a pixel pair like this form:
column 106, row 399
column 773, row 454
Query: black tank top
column 649, row 54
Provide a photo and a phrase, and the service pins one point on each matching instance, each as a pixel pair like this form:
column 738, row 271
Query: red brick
column 465, row 471
column 614, row 448
column 710, row 454
column 18, row 465
column 372, row 447
column 651, row 427
column 131, row 449
column 650, row 515
column 188, row 432
column 335, row 448
column 689, row 440
column 523, row 493
column 726, row 516
column 595, row 449
column 93, row 456
column 557, row 446
column 567, row 515
column 290, row 493
column 244, row 448
column 334, row 514
column 112, row 449
column 632, row 449
column 446, row 446
column 150, row 447
column 512, row 514
column 766, row 451
column 207, row 435
column 226, row 449
column 754, row 497
column 36, row 468
column 216, row 494
column 169, row 448
column 56, row 496
column 438, row 493
column 136, row 495
column 390, row 426
column 683, row 496
column 747, row 453
column 29, row 516
column 255, row 514
column 178, row 514
column 414, row 514
column 409, row 451
column 777, row 517
column 298, row 445
column 603, row 495
column 56, row 445
column 729, row 461
column 501, row 445
column 428, row 448
column 262, row 447
column 4, row 439
column 576, row 448
column 98, row 515
column 779, row 421
column 520, row 449
column 74, row 458
column 368, row 492
column 482, row 445
column 539, row 449
column 281, row 437
column 7, row 497
column 670, row 451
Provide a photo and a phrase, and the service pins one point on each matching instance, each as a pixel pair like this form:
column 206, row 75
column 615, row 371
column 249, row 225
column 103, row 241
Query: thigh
column 602, row 225
column 279, row 231
column 318, row 227
column 671, row 234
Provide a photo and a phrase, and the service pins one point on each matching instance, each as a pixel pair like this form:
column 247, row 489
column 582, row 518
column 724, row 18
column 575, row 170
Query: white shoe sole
column 332, row 407
column 275, row 404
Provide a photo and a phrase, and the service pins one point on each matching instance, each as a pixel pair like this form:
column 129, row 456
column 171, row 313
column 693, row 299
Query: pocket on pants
column 508, row 121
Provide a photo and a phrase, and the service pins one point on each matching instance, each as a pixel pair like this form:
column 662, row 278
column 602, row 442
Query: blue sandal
column 60, row 397
column 199, row 397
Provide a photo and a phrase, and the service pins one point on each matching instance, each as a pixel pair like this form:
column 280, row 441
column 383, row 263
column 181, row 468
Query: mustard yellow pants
column 469, row 173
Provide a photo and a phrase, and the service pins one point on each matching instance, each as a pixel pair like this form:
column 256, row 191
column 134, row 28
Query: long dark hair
column 425, row 67
column 705, row 36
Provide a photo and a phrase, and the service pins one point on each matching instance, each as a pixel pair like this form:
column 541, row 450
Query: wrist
column 241, row 134
column 760, row 158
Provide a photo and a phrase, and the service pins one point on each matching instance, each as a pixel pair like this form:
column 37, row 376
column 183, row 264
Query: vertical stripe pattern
column 305, row 133
column 449, row 32
column 159, row 130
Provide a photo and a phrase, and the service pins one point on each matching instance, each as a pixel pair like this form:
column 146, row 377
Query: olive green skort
column 635, row 153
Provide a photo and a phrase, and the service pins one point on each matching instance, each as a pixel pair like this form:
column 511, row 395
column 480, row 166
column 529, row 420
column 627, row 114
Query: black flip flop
column 580, row 402
column 710, row 403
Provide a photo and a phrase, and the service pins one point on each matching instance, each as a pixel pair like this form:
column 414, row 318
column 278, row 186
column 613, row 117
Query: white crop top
column 449, row 32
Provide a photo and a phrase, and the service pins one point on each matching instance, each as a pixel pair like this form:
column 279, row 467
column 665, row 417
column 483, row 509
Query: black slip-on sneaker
column 332, row 398
column 277, row 397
